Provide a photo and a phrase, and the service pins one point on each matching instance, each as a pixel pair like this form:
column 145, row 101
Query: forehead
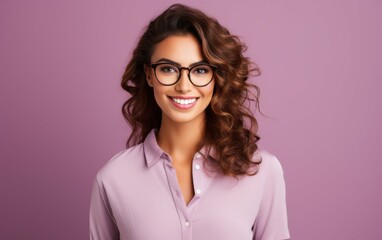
column 183, row 49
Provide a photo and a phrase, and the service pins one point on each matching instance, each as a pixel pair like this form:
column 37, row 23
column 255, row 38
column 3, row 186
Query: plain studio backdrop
column 60, row 103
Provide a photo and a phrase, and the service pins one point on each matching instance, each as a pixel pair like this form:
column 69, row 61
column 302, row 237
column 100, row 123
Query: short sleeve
column 102, row 223
column 272, row 222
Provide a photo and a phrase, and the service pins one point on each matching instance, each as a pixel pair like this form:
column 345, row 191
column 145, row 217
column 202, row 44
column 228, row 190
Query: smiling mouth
column 183, row 101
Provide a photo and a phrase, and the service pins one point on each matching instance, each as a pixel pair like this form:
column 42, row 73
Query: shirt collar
column 151, row 148
column 209, row 151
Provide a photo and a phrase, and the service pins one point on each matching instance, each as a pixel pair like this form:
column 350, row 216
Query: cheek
column 159, row 95
column 208, row 91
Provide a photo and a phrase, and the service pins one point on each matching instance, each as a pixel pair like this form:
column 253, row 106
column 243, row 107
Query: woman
column 193, row 169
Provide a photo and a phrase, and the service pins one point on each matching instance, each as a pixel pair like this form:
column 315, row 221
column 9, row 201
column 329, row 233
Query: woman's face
column 182, row 102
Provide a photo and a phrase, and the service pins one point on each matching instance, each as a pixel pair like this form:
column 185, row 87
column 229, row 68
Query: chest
column 153, row 206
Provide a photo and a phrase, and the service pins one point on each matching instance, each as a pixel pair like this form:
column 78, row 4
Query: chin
column 184, row 117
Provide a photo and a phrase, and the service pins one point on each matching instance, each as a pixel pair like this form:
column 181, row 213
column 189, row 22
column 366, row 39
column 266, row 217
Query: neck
column 181, row 140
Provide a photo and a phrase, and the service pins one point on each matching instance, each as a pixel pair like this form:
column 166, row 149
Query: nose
column 184, row 84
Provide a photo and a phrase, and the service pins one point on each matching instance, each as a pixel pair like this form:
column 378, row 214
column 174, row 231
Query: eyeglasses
column 199, row 75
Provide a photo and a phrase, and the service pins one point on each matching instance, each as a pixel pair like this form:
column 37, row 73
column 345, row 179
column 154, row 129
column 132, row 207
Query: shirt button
column 197, row 166
column 187, row 224
column 198, row 155
column 198, row 191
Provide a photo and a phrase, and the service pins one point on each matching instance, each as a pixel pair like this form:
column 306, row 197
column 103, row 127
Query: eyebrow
column 178, row 64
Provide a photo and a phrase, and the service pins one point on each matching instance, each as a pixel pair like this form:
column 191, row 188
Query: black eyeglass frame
column 155, row 65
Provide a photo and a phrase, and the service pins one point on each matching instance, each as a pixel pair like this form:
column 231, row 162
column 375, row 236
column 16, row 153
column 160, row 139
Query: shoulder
column 271, row 221
column 270, row 165
column 121, row 162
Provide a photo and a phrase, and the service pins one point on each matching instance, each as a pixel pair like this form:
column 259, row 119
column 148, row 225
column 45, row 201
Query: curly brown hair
column 231, row 129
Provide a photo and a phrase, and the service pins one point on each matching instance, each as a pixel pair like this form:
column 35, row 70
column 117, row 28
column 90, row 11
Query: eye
column 168, row 68
column 200, row 70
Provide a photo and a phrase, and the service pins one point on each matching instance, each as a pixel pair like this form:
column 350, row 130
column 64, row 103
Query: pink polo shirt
column 136, row 196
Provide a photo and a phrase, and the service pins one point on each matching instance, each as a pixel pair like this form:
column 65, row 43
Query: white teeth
column 184, row 101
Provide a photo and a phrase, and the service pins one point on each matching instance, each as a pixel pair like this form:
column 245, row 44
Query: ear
column 149, row 78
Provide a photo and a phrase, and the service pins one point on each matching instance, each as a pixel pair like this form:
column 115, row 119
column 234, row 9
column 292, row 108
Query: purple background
column 60, row 68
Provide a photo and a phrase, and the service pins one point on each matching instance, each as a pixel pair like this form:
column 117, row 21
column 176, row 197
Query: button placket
column 179, row 203
column 187, row 230
column 170, row 172
column 196, row 174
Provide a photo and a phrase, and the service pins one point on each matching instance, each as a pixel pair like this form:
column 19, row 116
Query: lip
column 183, row 106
